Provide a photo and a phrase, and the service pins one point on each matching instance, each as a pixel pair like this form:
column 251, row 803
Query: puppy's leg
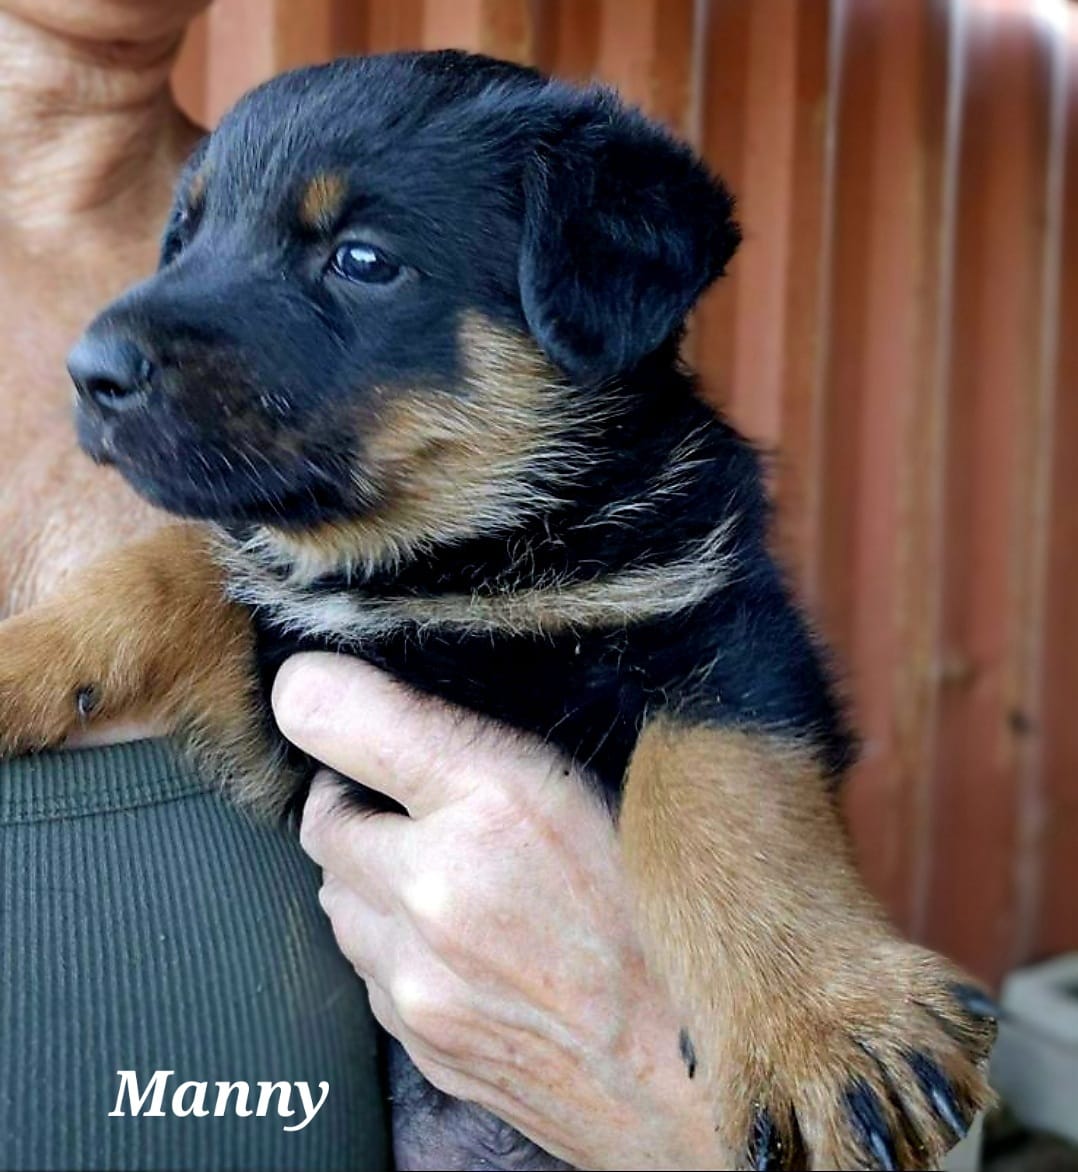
column 829, row 1042
column 146, row 633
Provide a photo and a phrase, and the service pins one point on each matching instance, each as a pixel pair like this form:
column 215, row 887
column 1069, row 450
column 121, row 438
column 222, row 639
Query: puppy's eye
column 181, row 228
column 171, row 247
column 364, row 264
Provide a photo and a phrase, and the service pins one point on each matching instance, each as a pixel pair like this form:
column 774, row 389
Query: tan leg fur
column 145, row 634
column 796, row 990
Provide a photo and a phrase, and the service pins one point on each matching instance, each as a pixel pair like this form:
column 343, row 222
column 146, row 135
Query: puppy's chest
column 577, row 661
column 585, row 693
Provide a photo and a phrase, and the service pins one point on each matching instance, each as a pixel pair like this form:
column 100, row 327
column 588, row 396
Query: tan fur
column 637, row 594
column 445, row 467
column 791, row 980
column 146, row 635
column 322, row 200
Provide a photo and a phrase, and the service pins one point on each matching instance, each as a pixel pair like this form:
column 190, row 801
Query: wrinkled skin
column 84, row 191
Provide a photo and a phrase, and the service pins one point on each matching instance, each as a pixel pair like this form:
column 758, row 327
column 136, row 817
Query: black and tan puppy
column 410, row 366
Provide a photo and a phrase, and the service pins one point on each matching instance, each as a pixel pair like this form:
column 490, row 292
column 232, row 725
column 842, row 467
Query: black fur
column 742, row 656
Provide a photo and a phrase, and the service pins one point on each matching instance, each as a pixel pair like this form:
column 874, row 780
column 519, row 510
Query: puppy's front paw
column 879, row 1067
column 44, row 696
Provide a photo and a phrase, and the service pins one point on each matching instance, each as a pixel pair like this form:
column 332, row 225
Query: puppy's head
column 390, row 291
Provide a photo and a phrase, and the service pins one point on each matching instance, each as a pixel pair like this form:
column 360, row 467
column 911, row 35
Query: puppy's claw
column 765, row 1144
column 871, row 1125
column 937, row 1090
column 687, row 1051
column 86, row 701
column 977, row 1002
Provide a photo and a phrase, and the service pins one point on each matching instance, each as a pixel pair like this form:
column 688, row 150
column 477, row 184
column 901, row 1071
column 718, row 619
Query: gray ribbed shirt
column 146, row 925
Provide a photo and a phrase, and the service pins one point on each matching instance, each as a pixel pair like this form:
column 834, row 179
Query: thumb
column 422, row 752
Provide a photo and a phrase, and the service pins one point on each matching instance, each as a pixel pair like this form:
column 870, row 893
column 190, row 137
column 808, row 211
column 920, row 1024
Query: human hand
column 493, row 927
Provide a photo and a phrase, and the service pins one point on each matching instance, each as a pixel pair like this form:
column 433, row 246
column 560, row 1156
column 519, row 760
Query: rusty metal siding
column 900, row 330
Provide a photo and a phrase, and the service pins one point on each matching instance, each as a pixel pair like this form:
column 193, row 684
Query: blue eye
column 364, row 264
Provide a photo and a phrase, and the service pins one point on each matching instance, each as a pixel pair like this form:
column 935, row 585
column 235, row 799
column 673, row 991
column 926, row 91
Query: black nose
column 111, row 371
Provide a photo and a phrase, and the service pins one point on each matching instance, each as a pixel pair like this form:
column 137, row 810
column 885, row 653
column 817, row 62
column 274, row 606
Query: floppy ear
column 624, row 229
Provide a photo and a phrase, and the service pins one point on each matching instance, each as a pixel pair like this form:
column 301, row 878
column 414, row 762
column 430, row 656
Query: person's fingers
column 462, row 1078
column 458, row 1080
column 382, row 1009
column 366, row 936
column 420, row 751
column 370, row 851
column 393, row 1018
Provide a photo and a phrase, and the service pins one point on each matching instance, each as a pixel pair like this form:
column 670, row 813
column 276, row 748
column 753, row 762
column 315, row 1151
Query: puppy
column 409, row 367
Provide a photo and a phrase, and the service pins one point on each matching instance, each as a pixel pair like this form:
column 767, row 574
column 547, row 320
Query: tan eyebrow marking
column 322, row 200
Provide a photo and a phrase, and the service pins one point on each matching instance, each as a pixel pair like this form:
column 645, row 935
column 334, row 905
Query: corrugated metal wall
column 901, row 328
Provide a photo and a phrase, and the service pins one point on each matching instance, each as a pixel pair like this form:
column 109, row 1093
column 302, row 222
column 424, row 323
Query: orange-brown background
column 901, row 329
